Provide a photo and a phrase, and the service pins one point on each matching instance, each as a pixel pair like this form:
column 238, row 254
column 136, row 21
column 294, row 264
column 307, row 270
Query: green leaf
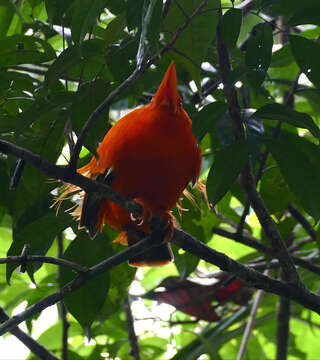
column 87, row 100
column 230, row 26
column 305, row 16
column 228, row 163
column 153, row 32
column 286, row 114
column 306, row 53
column 37, row 227
column 85, row 303
column 299, row 163
column 71, row 57
column 20, row 49
column 84, row 16
column 275, row 192
column 196, row 38
column 56, row 9
column 146, row 33
column 114, row 30
column 282, row 57
column 205, row 120
column 259, row 52
column 134, row 13
column 289, row 7
column 7, row 11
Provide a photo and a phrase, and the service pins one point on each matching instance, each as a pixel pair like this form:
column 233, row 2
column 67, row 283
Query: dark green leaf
column 114, row 30
column 37, row 227
column 230, row 26
column 205, row 120
column 275, row 192
column 147, row 34
column 299, row 163
column 259, row 52
column 6, row 15
column 286, row 114
column 84, row 16
column 71, row 57
column 306, row 53
column 56, row 9
column 282, row 57
column 116, row 6
column 228, row 163
column 20, row 49
column 196, row 38
column 134, row 13
column 87, row 100
column 85, row 303
column 289, row 7
column 305, row 16
column 153, row 31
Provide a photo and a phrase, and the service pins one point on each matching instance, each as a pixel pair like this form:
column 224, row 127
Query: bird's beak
column 167, row 94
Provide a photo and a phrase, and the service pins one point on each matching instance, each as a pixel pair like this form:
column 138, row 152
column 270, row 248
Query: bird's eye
column 180, row 103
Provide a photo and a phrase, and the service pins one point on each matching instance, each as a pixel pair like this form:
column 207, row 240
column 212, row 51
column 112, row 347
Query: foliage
column 60, row 59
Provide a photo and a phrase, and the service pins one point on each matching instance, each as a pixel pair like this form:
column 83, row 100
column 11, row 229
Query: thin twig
column 44, row 259
column 63, row 309
column 37, row 349
column 134, row 348
column 250, row 324
column 302, row 220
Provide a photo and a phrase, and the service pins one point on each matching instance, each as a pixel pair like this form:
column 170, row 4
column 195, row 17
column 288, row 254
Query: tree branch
column 253, row 278
column 134, row 352
column 27, row 340
column 283, row 328
column 247, row 180
column 253, row 242
column 193, row 246
column 44, row 259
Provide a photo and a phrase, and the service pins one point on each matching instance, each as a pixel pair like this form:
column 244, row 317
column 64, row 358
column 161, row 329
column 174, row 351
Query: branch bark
column 247, row 179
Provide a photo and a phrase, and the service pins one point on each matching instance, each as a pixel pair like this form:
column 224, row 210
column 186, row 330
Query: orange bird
column 150, row 155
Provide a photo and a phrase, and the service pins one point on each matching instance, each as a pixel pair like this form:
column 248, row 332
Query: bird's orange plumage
column 151, row 155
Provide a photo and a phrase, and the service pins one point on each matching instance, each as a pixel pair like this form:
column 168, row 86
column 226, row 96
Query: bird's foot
column 146, row 215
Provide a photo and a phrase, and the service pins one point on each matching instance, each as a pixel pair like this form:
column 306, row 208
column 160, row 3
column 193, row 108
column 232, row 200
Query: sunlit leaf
column 286, row 114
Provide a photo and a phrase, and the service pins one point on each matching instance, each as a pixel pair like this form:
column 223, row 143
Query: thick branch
column 27, row 340
column 251, row 277
column 247, row 180
column 283, row 329
column 193, row 246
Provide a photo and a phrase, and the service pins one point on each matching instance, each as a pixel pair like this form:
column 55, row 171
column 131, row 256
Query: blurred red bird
column 150, row 155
